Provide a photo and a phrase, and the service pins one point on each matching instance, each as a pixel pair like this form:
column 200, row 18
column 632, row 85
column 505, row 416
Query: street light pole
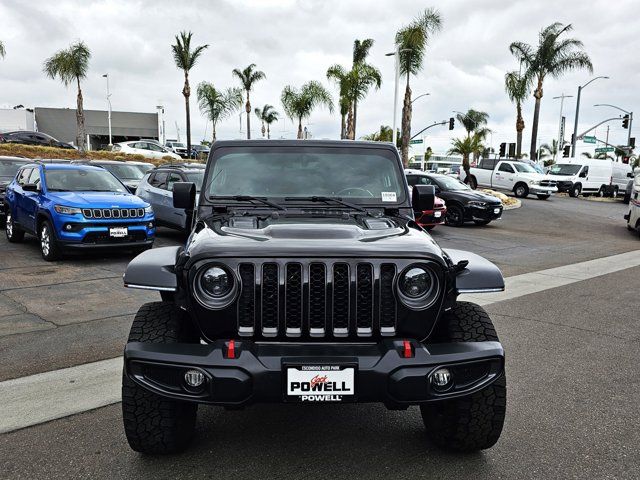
column 622, row 110
column 560, row 133
column 575, row 120
column 420, row 96
column 106, row 75
column 396, row 55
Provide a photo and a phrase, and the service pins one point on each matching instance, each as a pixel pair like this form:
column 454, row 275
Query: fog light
column 150, row 225
column 194, row 378
column 441, row 379
column 68, row 226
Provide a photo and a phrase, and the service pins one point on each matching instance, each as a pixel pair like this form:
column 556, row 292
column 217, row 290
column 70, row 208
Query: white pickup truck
column 517, row 177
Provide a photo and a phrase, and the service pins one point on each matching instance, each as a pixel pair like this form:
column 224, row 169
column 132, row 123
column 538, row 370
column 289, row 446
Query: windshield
column 124, row 171
column 197, row 178
column 448, row 183
column 143, row 168
column 8, row 168
column 524, row 168
column 178, row 145
column 360, row 175
column 564, row 169
column 79, row 180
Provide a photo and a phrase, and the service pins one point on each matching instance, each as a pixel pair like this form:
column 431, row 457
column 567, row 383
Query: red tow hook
column 231, row 349
column 407, row 350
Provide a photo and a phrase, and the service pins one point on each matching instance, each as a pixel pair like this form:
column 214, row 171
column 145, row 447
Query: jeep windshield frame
column 293, row 172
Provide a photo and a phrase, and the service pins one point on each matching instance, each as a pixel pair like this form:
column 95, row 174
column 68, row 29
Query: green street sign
column 604, row 149
column 417, row 141
column 588, row 139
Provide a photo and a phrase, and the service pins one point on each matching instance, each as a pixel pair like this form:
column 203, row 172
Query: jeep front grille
column 107, row 213
column 316, row 299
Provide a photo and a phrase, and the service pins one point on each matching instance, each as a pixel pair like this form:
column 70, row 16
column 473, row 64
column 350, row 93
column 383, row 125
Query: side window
column 34, row 177
column 159, row 180
column 585, row 171
column 505, row 167
column 154, row 147
column 412, row 179
column 140, row 145
column 173, row 178
column 23, row 176
column 487, row 164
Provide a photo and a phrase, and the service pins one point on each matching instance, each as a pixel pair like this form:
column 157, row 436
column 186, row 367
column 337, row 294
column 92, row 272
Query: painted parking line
column 47, row 396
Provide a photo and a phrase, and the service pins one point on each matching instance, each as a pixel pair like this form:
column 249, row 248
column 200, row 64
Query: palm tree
column 185, row 58
column 474, row 122
column 70, row 66
column 247, row 78
column 467, row 146
column 385, row 134
column 411, row 42
column 549, row 149
column 267, row 116
column 551, row 57
column 217, row 104
column 3, row 52
column 363, row 77
column 601, row 155
column 299, row 104
column 517, row 88
column 342, row 78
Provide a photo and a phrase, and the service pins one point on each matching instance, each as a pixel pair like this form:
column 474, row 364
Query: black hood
column 469, row 196
column 312, row 237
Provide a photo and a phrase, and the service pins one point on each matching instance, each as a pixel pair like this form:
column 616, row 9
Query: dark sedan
column 26, row 137
column 463, row 203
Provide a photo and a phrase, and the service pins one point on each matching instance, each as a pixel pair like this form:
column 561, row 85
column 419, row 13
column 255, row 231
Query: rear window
column 9, row 168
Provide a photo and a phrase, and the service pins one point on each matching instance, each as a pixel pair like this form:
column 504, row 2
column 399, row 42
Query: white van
column 633, row 217
column 590, row 176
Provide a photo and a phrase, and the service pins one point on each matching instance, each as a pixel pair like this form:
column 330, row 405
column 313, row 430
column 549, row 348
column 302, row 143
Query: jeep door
column 22, row 178
column 504, row 176
column 31, row 201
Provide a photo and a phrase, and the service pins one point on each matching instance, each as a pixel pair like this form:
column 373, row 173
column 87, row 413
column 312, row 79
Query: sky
column 294, row 41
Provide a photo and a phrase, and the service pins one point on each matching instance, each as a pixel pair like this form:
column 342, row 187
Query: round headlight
column 418, row 287
column 215, row 287
column 216, row 282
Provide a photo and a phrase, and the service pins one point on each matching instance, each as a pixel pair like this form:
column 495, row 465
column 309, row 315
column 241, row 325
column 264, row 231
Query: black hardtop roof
column 303, row 143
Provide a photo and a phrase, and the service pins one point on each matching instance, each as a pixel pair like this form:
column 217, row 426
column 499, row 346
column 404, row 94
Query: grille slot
column 317, row 299
column 270, row 299
column 113, row 212
column 247, row 301
column 293, row 300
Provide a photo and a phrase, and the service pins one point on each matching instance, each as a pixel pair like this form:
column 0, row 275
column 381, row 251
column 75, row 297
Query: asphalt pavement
column 572, row 356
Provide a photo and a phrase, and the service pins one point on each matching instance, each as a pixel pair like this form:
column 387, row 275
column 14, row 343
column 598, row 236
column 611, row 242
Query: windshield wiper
column 247, row 198
column 335, row 200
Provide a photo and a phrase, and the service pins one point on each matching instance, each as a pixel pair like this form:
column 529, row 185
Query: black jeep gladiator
column 306, row 279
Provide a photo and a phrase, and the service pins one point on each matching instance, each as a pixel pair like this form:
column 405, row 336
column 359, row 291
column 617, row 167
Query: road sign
column 588, row 139
column 417, row 141
column 604, row 149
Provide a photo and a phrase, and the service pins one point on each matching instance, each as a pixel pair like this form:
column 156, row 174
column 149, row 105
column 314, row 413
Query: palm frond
column 3, row 52
column 69, row 65
column 414, row 38
column 184, row 57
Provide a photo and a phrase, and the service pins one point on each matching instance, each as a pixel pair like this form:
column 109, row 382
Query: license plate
column 437, row 214
column 496, row 210
column 320, row 383
column 118, row 232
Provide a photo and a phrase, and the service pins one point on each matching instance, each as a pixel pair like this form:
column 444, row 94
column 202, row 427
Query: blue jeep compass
column 75, row 206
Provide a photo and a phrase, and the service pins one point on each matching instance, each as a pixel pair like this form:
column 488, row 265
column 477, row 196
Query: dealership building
column 60, row 123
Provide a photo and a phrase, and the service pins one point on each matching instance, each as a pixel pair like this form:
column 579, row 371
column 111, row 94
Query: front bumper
column 489, row 212
column 74, row 231
column 565, row 185
column 257, row 372
column 542, row 190
column 432, row 217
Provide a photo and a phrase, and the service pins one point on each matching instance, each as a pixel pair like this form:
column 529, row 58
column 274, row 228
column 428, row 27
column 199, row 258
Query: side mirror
column 184, row 195
column 630, row 174
column 30, row 187
column 423, row 197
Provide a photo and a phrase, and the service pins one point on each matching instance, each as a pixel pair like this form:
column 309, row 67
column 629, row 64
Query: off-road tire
column 13, row 233
column 543, row 197
column 153, row 424
column 49, row 246
column 473, row 422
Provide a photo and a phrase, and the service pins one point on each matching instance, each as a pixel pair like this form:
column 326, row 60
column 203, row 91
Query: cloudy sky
column 294, row 41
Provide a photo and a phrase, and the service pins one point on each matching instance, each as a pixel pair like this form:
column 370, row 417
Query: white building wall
column 18, row 119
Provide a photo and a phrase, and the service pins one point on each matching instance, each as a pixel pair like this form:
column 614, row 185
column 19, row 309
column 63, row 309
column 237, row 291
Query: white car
column 143, row 147
column 633, row 217
column 511, row 175
column 178, row 148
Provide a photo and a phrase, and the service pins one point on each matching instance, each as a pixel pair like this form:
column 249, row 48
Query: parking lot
column 569, row 326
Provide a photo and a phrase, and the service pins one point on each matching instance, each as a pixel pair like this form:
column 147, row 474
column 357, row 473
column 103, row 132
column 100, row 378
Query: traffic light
column 503, row 149
column 566, row 151
column 452, row 122
column 625, row 121
column 512, row 150
column 632, row 142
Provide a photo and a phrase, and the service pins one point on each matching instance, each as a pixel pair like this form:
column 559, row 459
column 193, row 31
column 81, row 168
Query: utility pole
column 560, row 125
column 106, row 75
column 607, row 134
column 396, row 55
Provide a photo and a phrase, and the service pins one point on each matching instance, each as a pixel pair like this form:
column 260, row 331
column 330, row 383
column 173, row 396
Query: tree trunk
column 248, row 110
column 343, row 126
column 466, row 167
column 214, row 133
column 268, row 132
column 300, row 128
column 355, row 117
column 263, row 129
column 406, row 125
column 350, row 123
column 186, row 91
column 519, row 129
column 533, row 151
column 81, row 136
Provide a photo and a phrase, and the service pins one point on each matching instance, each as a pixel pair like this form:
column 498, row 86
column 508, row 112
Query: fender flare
column 478, row 276
column 153, row 270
